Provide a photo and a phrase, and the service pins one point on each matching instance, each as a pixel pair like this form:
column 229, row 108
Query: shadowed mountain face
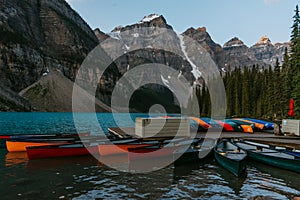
column 37, row 36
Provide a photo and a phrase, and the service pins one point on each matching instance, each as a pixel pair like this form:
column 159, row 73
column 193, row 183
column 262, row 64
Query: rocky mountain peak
column 117, row 29
column 264, row 40
column 234, row 42
column 192, row 30
column 100, row 35
column 150, row 18
column 202, row 29
column 202, row 36
column 153, row 20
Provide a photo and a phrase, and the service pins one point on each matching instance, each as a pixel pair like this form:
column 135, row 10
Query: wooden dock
column 265, row 138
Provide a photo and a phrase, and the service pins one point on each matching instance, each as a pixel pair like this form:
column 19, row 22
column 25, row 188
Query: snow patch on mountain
column 149, row 18
column 197, row 74
column 115, row 35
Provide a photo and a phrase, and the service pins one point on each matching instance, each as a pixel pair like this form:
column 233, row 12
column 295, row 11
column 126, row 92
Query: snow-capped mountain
column 233, row 53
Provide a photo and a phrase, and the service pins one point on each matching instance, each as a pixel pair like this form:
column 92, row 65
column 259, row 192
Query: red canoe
column 60, row 151
column 121, row 147
column 157, row 151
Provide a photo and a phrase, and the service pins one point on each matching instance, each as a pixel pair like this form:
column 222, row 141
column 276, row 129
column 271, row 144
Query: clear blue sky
column 224, row 19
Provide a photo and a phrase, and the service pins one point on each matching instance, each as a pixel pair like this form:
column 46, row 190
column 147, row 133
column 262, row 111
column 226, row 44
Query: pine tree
column 295, row 60
column 277, row 89
column 286, row 78
column 245, row 93
column 238, row 91
column 295, row 41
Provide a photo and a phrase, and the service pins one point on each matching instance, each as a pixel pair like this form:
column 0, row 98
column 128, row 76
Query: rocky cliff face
column 40, row 35
column 137, row 45
column 263, row 53
column 233, row 53
column 267, row 52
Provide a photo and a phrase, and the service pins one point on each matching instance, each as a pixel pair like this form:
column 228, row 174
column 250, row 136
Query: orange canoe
column 19, row 146
column 116, row 149
column 247, row 129
column 201, row 122
column 257, row 125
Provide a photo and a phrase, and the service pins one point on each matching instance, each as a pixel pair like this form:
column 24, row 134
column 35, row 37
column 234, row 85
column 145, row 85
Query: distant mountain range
column 233, row 53
column 41, row 38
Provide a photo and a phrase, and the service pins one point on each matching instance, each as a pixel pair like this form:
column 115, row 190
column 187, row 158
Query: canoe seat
column 259, row 148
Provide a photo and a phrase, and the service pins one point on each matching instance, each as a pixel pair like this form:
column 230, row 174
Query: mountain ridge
column 41, row 36
column 263, row 53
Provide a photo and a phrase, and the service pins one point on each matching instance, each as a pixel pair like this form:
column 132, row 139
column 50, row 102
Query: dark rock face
column 37, row 35
column 200, row 35
column 11, row 101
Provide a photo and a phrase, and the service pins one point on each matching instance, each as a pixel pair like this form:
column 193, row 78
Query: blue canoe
column 268, row 125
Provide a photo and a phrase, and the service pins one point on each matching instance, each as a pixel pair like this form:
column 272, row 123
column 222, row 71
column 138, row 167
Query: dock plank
column 266, row 138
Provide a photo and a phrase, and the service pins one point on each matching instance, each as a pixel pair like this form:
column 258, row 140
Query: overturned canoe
column 258, row 126
column 246, row 126
column 267, row 125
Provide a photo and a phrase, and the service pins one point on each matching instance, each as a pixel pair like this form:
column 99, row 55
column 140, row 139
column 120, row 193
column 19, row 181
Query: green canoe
column 271, row 157
column 196, row 152
column 231, row 157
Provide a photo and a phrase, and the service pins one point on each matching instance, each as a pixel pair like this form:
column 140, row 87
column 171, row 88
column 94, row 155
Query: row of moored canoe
column 246, row 125
column 231, row 155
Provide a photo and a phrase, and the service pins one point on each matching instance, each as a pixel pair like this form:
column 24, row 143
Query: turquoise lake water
column 86, row 178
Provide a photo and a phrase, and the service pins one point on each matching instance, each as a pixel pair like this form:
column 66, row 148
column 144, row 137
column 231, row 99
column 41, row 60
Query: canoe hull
column 59, row 151
column 293, row 153
column 235, row 167
column 117, row 149
column 20, row 146
column 231, row 157
column 272, row 157
column 194, row 155
column 293, row 165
